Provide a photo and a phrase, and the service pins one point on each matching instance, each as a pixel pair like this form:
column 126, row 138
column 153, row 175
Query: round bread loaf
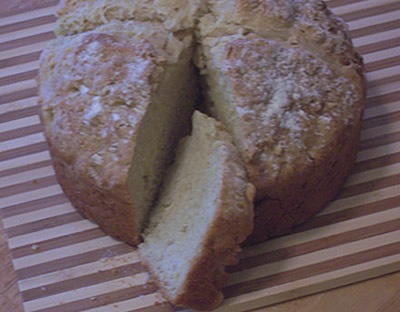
column 117, row 89
column 282, row 75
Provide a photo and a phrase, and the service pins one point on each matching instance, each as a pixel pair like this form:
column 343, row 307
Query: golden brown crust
column 295, row 94
column 231, row 226
column 76, row 16
column 94, row 89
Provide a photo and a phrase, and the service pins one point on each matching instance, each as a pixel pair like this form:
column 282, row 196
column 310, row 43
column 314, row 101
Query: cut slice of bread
column 203, row 213
column 114, row 101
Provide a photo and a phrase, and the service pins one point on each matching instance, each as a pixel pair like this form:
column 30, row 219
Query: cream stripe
column 35, row 47
column 313, row 258
column 382, row 54
column 136, row 304
column 382, row 109
column 373, row 174
column 379, row 151
column 26, row 33
column 24, row 160
column 376, row 37
column 18, row 86
column 20, row 104
column 361, row 5
column 64, row 252
column 18, row 69
column 30, row 196
column 310, row 285
column 26, row 176
column 87, row 292
column 19, row 123
column 374, row 132
column 383, row 73
column 374, row 20
column 320, row 233
column 101, row 265
column 383, row 89
column 37, row 215
column 361, row 199
column 47, row 234
column 21, row 142
column 26, row 16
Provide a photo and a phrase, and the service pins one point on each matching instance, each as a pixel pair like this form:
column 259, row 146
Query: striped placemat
column 65, row 263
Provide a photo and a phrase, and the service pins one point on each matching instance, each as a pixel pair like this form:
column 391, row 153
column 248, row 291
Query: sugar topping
column 94, row 109
column 280, row 94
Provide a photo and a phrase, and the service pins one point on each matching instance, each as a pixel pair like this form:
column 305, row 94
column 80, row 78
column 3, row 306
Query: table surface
column 378, row 294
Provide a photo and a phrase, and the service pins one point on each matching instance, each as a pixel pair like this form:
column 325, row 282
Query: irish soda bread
column 203, row 213
column 117, row 89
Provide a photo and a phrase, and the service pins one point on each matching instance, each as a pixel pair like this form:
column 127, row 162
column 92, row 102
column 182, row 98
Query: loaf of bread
column 203, row 213
column 284, row 78
column 117, row 89
column 114, row 102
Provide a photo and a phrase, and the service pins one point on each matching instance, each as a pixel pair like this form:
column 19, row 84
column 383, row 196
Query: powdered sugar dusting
column 137, row 69
column 283, row 97
column 94, row 109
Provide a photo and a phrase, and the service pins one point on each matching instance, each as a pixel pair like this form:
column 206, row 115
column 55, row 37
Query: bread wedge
column 114, row 101
column 284, row 78
column 203, row 213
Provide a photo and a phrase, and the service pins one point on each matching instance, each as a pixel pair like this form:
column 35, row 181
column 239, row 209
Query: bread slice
column 204, row 212
column 284, row 78
column 114, row 101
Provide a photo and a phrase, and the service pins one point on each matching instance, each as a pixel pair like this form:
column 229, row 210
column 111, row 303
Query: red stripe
column 381, row 82
column 20, row 59
column 385, row 63
column 27, row 24
column 9, row 8
column 24, row 168
column 348, row 214
column 18, row 77
column 18, row 95
column 44, row 224
column 358, row 14
column 33, row 205
column 375, row 47
column 375, row 28
column 381, row 140
column 18, row 43
column 19, row 113
column 375, row 163
column 381, row 120
column 58, row 242
column 23, row 151
column 83, row 281
column 383, row 99
column 369, row 186
column 20, row 132
column 312, row 270
column 315, row 245
column 109, row 298
column 72, row 261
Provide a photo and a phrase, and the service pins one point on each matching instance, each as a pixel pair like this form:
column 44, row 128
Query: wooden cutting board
column 65, row 263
